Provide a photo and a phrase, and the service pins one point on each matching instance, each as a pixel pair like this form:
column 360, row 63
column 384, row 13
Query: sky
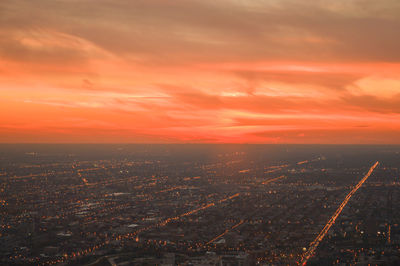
column 207, row 71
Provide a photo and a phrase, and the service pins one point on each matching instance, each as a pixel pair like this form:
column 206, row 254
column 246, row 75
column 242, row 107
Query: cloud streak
column 200, row 71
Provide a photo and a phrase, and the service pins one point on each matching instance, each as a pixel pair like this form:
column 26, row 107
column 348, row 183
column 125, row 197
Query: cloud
column 181, row 31
column 380, row 87
column 375, row 104
column 231, row 70
column 47, row 46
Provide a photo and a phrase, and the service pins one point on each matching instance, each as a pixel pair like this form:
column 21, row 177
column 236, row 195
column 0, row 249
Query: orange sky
column 179, row 71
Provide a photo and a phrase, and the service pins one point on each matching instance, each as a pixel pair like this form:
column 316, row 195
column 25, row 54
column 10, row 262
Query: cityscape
column 199, row 132
column 199, row 204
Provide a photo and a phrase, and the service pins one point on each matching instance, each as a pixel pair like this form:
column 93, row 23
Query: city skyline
column 179, row 71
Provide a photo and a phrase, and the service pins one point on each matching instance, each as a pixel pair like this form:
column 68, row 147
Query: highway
column 313, row 246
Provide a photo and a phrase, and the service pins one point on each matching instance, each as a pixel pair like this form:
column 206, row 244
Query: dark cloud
column 374, row 103
column 335, row 81
column 180, row 31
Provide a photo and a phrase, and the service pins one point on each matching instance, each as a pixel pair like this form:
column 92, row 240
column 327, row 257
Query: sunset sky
column 207, row 71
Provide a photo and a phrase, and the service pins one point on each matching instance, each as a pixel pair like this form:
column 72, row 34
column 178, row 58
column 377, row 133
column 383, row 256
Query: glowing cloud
column 200, row 71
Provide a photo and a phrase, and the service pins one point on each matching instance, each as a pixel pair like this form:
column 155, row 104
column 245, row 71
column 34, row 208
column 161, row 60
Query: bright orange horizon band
column 200, row 72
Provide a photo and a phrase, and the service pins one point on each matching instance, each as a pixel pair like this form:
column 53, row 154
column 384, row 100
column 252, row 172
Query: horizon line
column 189, row 143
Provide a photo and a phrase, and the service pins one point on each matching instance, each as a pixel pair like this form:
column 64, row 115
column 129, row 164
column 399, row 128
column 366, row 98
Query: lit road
column 241, row 221
column 224, row 233
column 128, row 236
column 273, row 179
column 313, row 246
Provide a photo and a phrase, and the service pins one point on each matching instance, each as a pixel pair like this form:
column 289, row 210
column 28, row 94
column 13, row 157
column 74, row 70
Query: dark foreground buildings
column 197, row 204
